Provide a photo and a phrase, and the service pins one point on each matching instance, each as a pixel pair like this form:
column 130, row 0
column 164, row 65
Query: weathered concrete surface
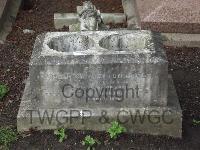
column 74, row 27
column 157, row 120
column 67, row 19
column 130, row 62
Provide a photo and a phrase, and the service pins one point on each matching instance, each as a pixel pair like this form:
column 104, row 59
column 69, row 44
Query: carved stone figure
column 90, row 17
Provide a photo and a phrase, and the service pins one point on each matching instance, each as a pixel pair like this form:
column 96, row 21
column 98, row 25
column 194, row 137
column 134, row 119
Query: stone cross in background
column 89, row 18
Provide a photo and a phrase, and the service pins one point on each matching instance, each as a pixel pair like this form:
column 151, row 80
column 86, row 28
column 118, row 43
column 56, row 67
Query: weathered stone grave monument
column 86, row 80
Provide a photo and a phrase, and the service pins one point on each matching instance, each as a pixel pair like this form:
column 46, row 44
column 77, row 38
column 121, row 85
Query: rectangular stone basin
column 99, row 69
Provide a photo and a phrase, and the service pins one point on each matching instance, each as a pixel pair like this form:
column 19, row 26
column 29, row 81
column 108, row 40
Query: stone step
column 181, row 40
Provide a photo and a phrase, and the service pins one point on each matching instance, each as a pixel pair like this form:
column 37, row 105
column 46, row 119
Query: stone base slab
column 149, row 120
column 181, row 40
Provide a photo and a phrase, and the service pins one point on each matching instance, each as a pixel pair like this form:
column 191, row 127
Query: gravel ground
column 184, row 65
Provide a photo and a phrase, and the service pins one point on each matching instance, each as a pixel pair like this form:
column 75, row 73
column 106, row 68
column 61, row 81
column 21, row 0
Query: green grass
column 115, row 130
column 3, row 90
column 90, row 142
column 60, row 134
column 196, row 122
column 7, row 135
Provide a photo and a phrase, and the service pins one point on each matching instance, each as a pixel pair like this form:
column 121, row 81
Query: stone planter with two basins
column 82, row 75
